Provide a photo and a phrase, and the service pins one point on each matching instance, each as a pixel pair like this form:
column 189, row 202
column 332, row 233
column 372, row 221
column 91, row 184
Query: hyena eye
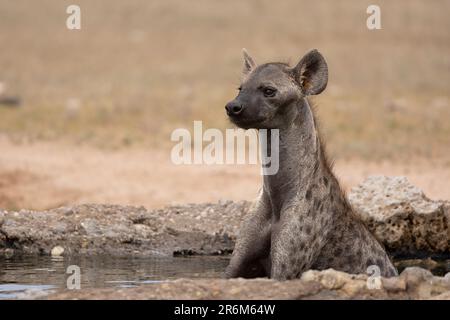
column 239, row 88
column 269, row 92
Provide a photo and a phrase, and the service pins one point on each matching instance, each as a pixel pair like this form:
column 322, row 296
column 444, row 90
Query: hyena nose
column 233, row 108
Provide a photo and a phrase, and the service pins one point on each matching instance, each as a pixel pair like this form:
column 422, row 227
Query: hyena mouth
column 246, row 123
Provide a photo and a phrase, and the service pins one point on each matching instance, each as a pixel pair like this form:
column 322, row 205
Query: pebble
column 57, row 251
column 9, row 253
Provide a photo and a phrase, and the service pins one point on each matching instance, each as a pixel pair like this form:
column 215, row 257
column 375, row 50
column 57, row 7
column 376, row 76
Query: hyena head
column 268, row 93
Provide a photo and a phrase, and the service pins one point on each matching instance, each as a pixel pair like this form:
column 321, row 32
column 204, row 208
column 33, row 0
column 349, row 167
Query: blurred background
column 86, row 115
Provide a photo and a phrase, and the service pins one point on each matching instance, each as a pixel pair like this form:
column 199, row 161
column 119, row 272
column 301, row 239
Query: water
column 41, row 274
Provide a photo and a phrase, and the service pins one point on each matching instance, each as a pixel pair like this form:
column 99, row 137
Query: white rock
column 57, row 251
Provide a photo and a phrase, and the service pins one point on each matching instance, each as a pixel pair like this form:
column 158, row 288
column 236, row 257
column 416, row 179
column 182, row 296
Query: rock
column 437, row 267
column 90, row 227
column 10, row 101
column 8, row 253
column 57, row 251
column 402, row 217
column 443, row 296
column 413, row 283
column 121, row 230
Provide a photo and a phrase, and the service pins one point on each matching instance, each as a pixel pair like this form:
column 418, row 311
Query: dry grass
column 139, row 69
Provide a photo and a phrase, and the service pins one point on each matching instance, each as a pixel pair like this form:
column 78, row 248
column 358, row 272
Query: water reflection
column 18, row 274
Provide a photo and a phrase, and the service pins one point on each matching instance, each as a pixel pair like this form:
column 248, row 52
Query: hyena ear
column 249, row 63
column 311, row 73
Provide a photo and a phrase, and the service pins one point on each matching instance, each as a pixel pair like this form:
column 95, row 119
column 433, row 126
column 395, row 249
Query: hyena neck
column 302, row 161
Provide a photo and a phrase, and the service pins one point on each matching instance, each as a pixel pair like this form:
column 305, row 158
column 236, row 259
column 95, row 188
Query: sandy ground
column 46, row 175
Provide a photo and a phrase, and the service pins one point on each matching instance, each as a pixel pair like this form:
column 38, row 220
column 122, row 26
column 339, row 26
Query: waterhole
column 28, row 276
